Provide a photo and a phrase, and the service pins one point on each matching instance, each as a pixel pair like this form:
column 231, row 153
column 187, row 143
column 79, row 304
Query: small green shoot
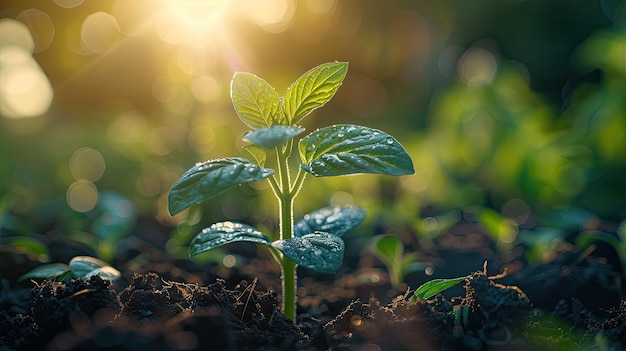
column 315, row 241
column 390, row 250
column 78, row 267
column 435, row 286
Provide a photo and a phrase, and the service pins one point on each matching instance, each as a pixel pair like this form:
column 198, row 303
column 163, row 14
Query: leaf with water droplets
column 335, row 220
column 348, row 149
column 210, row 178
column 319, row 251
column 223, row 233
column 256, row 101
column 313, row 89
column 272, row 136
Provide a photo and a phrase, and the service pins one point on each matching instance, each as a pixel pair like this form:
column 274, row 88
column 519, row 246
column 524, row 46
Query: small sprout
column 315, row 240
column 390, row 250
column 78, row 267
column 435, row 286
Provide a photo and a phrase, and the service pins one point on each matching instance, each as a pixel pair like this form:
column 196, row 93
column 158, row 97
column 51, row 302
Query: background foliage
column 516, row 107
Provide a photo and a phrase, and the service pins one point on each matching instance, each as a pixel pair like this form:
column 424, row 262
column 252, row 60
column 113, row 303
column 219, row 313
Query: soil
column 573, row 301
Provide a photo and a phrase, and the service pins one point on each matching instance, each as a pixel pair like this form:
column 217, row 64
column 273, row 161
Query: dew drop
column 265, row 172
column 317, row 252
column 389, row 140
column 318, row 163
column 253, row 169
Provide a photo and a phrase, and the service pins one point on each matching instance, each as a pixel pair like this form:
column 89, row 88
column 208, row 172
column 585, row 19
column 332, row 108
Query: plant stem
column 285, row 201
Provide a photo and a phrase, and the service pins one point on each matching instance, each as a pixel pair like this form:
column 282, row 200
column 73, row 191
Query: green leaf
column 45, row 271
column 27, row 244
column 347, row 149
column 389, row 249
column 223, row 233
column 256, row 101
column 104, row 272
column 210, row 178
column 313, row 89
column 334, row 220
column 272, row 136
column 319, row 251
column 254, row 154
column 435, row 286
column 86, row 266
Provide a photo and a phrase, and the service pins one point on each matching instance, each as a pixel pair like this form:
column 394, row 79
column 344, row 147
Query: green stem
column 288, row 266
column 285, row 201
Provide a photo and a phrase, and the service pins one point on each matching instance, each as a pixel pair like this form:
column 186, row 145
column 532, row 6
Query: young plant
column 315, row 241
column 78, row 267
column 390, row 250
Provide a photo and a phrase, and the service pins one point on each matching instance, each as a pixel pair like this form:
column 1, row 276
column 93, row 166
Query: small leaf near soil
column 223, row 233
column 319, row 251
column 435, row 286
column 389, row 248
column 210, row 178
column 335, row 220
column 272, row 136
column 45, row 271
column 348, row 149
column 87, row 266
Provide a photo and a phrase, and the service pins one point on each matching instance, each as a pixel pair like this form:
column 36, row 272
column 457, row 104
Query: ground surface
column 573, row 301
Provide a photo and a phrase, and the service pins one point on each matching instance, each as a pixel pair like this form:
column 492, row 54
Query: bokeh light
column 68, row 4
column 40, row 26
column 87, row 164
column 477, row 67
column 82, row 196
column 99, row 33
column 16, row 33
column 26, row 91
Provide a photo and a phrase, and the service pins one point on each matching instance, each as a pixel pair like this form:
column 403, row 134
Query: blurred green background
column 515, row 106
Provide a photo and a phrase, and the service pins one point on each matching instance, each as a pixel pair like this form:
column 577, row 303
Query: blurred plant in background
column 103, row 104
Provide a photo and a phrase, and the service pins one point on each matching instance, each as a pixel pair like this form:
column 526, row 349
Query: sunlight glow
column 199, row 14
column 274, row 16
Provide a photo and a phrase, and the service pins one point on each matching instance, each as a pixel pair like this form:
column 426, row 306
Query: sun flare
column 199, row 14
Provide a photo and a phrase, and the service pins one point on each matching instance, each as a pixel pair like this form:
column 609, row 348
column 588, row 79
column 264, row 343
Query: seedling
column 315, row 241
column 78, row 267
column 390, row 250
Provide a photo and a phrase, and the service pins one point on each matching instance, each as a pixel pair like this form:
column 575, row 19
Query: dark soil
column 572, row 302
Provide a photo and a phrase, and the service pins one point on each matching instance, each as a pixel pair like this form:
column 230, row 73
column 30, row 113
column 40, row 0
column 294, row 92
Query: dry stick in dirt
column 315, row 241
